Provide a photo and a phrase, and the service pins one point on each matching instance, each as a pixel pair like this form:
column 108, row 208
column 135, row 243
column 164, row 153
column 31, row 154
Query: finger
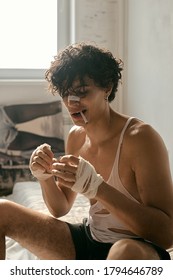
column 43, row 151
column 47, row 149
column 65, row 176
column 69, row 159
column 36, row 166
column 40, row 163
column 43, row 156
column 64, row 183
column 63, row 167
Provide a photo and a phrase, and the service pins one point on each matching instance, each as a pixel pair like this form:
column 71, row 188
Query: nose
column 73, row 100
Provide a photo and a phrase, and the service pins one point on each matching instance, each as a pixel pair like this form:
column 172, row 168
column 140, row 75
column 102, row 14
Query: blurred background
column 140, row 32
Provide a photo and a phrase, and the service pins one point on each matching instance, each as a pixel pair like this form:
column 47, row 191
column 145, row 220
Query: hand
column 65, row 169
column 78, row 174
column 41, row 162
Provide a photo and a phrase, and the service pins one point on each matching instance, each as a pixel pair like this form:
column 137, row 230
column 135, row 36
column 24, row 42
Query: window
column 28, row 37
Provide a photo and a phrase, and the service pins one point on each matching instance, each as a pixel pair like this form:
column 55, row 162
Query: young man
column 118, row 162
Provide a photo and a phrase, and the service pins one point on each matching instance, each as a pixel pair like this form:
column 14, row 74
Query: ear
column 108, row 89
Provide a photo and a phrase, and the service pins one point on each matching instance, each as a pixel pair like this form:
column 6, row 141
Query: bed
column 29, row 195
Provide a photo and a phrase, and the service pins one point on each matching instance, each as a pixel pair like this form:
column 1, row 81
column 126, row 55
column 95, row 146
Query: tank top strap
column 124, row 129
column 121, row 137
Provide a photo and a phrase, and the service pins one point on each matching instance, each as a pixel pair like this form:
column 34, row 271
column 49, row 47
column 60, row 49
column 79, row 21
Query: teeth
column 79, row 112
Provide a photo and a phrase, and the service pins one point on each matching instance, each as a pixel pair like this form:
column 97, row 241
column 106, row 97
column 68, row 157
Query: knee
column 3, row 204
column 4, row 212
column 127, row 249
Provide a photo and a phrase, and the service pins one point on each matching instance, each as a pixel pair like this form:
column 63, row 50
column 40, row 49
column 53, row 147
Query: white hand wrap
column 40, row 175
column 87, row 179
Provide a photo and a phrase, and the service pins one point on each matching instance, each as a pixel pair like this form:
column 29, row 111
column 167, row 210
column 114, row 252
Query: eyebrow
column 79, row 87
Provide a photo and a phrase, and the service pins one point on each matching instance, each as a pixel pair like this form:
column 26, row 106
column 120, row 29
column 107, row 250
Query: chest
column 102, row 163
column 102, row 158
column 112, row 156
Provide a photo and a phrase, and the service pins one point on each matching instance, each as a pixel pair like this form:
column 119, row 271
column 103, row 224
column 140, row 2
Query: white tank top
column 103, row 226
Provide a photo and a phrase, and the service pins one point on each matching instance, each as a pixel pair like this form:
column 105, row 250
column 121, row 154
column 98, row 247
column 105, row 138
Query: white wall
column 101, row 22
column 21, row 91
column 149, row 65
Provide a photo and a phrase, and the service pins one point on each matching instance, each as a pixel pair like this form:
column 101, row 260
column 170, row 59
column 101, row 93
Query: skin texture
column 143, row 168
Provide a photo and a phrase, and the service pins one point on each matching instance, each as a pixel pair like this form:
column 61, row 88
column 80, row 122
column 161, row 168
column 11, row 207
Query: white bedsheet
column 29, row 194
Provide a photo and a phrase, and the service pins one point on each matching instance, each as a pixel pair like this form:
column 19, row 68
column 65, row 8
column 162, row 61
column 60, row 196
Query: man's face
column 87, row 103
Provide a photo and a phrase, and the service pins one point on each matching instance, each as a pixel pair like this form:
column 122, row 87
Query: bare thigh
column 41, row 234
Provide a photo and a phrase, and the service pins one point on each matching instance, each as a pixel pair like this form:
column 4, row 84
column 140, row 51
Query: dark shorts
column 89, row 249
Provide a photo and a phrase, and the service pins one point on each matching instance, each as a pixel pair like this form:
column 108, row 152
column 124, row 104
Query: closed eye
column 81, row 94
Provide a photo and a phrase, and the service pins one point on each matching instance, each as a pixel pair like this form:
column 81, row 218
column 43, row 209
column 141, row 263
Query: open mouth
column 78, row 114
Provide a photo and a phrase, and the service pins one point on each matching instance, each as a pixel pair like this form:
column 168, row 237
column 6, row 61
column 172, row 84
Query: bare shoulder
column 143, row 149
column 149, row 160
column 148, row 156
column 75, row 140
column 146, row 150
column 140, row 134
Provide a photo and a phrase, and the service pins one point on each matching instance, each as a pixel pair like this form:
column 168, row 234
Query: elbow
column 58, row 213
column 168, row 240
column 55, row 214
column 165, row 243
column 160, row 234
column 165, row 237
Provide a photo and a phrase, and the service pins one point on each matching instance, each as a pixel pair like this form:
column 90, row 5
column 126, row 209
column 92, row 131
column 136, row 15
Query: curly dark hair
column 81, row 60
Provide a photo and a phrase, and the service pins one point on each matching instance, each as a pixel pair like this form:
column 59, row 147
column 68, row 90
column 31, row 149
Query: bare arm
column 58, row 199
column 151, row 219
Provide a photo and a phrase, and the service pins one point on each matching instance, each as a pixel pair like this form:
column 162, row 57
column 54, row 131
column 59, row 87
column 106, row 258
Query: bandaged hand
column 87, row 179
column 41, row 162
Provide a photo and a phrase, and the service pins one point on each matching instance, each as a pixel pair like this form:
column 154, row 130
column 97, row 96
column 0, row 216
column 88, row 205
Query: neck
column 101, row 131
